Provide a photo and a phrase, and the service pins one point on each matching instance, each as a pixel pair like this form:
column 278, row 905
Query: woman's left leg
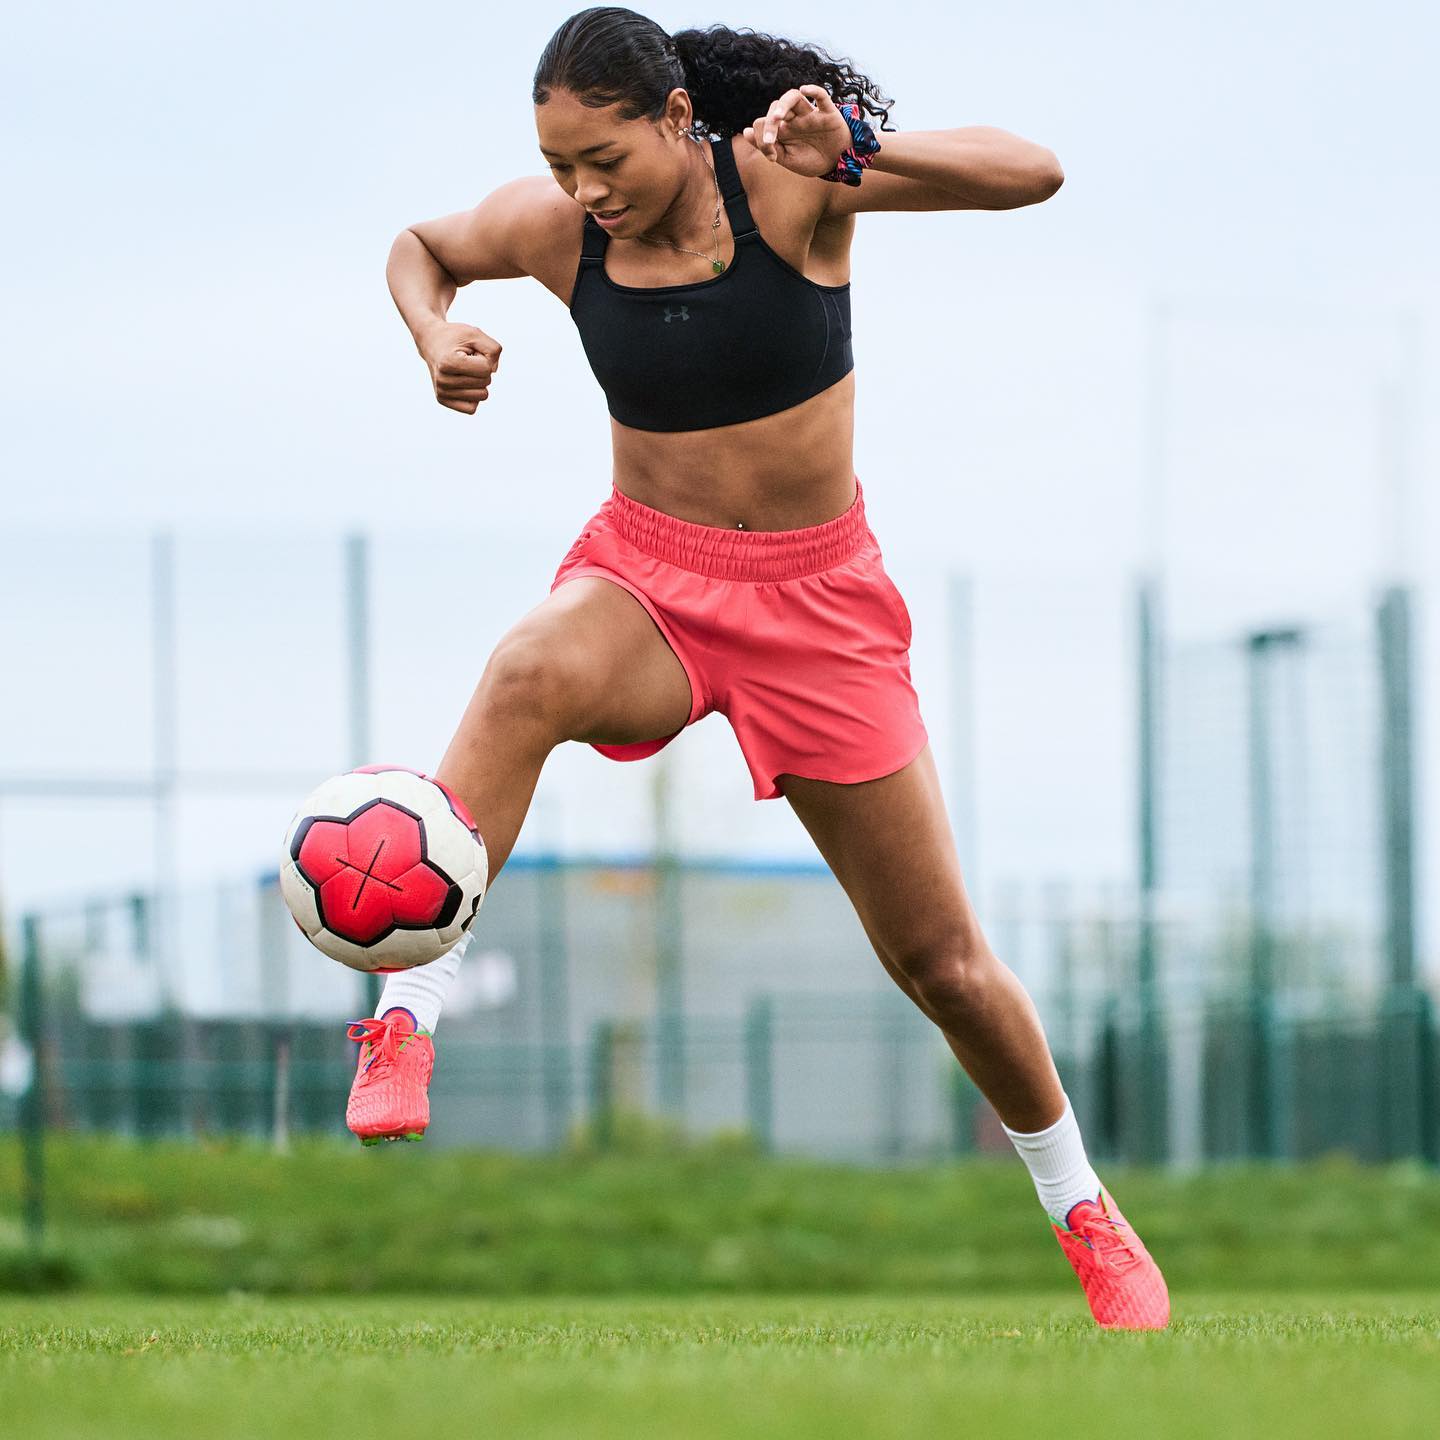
column 889, row 844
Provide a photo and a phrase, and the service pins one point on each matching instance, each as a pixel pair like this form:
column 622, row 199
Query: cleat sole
column 415, row 1135
column 369, row 1139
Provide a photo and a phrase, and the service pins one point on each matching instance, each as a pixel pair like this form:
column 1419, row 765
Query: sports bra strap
column 728, row 174
column 592, row 247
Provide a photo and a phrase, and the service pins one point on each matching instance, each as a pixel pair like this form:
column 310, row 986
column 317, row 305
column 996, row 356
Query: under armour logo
column 683, row 312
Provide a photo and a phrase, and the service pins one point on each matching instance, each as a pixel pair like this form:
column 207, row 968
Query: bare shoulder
column 523, row 227
column 792, row 213
column 790, row 200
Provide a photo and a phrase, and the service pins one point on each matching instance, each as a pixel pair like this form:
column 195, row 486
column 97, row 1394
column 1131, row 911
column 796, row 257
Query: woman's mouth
column 609, row 217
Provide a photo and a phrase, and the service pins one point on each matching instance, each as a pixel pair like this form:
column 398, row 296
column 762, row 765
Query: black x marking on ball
column 368, row 872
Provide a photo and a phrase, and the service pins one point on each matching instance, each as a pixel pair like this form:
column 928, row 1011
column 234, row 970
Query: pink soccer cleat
column 389, row 1098
column 1122, row 1282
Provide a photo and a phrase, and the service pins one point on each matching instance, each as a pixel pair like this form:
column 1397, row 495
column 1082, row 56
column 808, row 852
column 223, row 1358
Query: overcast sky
column 199, row 338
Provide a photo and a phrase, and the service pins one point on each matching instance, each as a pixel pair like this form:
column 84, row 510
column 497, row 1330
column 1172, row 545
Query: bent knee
column 950, row 975
column 541, row 678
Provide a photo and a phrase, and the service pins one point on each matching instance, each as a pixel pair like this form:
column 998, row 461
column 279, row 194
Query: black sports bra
column 757, row 338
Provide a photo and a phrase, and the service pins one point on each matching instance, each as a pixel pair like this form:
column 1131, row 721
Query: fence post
column 1262, row 649
column 1404, row 1073
column 669, row 951
column 1404, row 1026
column 280, row 1114
column 1429, row 1081
column 32, row 1104
column 357, row 647
column 891, row 1043
column 1150, row 1106
column 602, row 1083
column 760, row 1071
column 1106, row 1081
column 550, row 891
column 964, row 1097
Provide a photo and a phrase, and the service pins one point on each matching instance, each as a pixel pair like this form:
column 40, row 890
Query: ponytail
column 733, row 76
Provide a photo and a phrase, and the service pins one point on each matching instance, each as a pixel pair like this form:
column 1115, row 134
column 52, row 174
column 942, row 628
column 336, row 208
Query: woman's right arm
column 430, row 261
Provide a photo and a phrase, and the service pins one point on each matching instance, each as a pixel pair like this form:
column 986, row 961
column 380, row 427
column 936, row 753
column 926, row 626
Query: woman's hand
column 803, row 131
column 461, row 359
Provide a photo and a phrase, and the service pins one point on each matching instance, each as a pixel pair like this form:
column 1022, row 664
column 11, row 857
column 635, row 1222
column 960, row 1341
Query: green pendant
column 717, row 266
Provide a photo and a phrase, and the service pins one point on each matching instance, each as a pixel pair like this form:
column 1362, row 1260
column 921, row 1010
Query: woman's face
column 630, row 165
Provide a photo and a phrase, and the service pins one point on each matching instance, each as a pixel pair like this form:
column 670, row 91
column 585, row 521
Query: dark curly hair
column 608, row 55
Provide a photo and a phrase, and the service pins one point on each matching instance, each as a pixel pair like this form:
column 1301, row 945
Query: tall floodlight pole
column 164, row 730
column 357, row 635
column 669, row 945
column 960, row 616
column 1265, row 652
column 1152, row 1116
column 1396, row 779
column 1407, row 1108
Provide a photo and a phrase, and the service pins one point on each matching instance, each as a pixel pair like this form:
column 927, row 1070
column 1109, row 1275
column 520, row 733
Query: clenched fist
column 461, row 359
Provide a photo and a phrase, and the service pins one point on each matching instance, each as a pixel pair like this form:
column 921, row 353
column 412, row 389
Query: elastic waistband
column 738, row 554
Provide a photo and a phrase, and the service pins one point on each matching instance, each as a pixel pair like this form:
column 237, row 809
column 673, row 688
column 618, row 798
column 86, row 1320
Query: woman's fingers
column 462, row 366
column 462, row 379
column 765, row 133
column 464, row 403
column 789, row 104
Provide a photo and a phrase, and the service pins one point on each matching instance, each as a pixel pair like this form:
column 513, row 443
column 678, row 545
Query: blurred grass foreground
column 663, row 1217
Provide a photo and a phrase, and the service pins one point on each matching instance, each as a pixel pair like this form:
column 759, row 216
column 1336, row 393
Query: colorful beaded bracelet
column 856, row 160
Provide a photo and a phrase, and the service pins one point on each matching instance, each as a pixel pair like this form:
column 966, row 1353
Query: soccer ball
column 383, row 868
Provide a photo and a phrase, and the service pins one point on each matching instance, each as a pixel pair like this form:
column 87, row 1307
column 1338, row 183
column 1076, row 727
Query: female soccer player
column 688, row 224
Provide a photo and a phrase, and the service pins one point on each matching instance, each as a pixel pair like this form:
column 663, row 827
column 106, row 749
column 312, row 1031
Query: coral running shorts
column 797, row 637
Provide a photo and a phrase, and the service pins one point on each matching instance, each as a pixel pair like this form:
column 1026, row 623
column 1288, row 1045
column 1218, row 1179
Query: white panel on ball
column 416, row 794
column 408, row 948
column 299, row 895
column 450, row 845
column 358, row 957
column 340, row 795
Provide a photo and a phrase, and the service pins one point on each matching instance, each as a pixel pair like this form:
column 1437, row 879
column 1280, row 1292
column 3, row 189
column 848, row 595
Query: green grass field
column 222, row 1290
column 336, row 1219
column 855, row 1366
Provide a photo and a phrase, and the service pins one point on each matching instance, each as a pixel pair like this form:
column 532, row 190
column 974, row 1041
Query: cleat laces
column 384, row 1040
column 1107, row 1238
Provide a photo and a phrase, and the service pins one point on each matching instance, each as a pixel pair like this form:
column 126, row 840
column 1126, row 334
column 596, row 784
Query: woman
column 687, row 224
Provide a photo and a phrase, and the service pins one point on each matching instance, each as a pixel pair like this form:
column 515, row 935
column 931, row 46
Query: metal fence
column 720, row 998
column 1260, row 991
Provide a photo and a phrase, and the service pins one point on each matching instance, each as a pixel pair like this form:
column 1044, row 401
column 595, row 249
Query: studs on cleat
column 369, row 1139
column 414, row 1134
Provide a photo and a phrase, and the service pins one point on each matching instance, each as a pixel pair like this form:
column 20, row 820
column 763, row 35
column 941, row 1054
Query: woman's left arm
column 974, row 167
column 980, row 166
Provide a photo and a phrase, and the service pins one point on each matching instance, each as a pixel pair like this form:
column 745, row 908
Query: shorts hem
column 775, row 793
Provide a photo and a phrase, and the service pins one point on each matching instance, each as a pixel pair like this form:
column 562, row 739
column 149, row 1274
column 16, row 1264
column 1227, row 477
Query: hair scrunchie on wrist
column 856, row 160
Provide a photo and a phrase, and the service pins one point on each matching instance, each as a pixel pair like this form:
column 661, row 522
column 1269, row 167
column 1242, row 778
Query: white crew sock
column 421, row 989
column 1055, row 1157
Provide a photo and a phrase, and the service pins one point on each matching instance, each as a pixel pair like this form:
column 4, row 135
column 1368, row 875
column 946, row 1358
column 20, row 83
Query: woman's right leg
column 588, row 663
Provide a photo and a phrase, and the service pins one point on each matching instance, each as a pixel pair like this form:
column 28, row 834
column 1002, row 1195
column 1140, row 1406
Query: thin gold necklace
column 716, row 264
